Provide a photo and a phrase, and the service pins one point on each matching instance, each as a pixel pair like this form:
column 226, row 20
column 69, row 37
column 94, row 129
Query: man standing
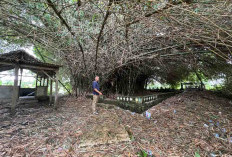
column 96, row 94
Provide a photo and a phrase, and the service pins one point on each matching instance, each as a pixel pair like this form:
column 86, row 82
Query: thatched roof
column 25, row 61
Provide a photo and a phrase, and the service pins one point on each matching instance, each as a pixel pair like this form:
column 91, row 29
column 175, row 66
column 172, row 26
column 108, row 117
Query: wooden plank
column 36, row 84
column 44, row 79
column 56, row 90
column 25, row 66
column 15, row 94
column 50, row 98
column 6, row 63
column 21, row 71
column 40, row 80
column 58, row 80
column 48, row 75
column 47, row 81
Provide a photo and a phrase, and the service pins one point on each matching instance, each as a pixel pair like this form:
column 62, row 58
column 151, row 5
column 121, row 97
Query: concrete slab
column 109, row 131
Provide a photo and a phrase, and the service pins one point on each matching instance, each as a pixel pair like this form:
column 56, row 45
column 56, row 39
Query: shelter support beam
column 44, row 80
column 56, row 90
column 31, row 67
column 40, row 80
column 21, row 77
column 58, row 81
column 36, row 83
column 50, row 97
column 15, row 94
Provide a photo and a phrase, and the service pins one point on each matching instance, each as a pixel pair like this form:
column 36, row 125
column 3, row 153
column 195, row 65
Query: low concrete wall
column 138, row 104
column 6, row 92
column 41, row 91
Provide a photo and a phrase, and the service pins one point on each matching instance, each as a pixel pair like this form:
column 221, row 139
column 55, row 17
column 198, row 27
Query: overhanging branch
column 101, row 31
column 58, row 13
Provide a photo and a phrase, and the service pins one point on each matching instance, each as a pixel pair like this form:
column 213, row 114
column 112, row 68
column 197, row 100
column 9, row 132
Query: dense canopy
column 125, row 42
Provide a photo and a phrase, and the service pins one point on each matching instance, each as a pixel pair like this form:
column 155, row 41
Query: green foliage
column 126, row 35
column 28, row 84
column 227, row 87
column 9, row 82
column 177, row 75
column 44, row 55
column 142, row 153
column 197, row 154
column 192, row 77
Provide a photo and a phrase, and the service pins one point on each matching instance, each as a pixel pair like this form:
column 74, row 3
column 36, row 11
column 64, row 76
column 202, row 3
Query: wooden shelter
column 19, row 60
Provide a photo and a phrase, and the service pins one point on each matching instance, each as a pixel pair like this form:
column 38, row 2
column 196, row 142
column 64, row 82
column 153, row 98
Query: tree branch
column 168, row 5
column 68, row 27
column 101, row 31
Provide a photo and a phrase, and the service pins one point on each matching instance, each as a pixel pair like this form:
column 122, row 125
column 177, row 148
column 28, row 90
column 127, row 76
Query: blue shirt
column 95, row 85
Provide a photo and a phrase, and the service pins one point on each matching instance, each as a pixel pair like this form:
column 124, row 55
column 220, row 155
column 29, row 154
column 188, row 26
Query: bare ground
column 184, row 125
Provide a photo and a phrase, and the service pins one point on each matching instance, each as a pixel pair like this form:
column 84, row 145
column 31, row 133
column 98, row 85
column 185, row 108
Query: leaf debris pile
column 184, row 125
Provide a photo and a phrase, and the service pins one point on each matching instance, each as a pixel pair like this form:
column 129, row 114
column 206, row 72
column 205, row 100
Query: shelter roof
column 24, row 60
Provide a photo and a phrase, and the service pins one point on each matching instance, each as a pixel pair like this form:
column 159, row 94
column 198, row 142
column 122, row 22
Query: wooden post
column 40, row 80
column 36, row 84
column 44, row 79
column 21, row 72
column 15, row 90
column 36, row 81
column 47, row 81
column 50, row 98
column 56, row 90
